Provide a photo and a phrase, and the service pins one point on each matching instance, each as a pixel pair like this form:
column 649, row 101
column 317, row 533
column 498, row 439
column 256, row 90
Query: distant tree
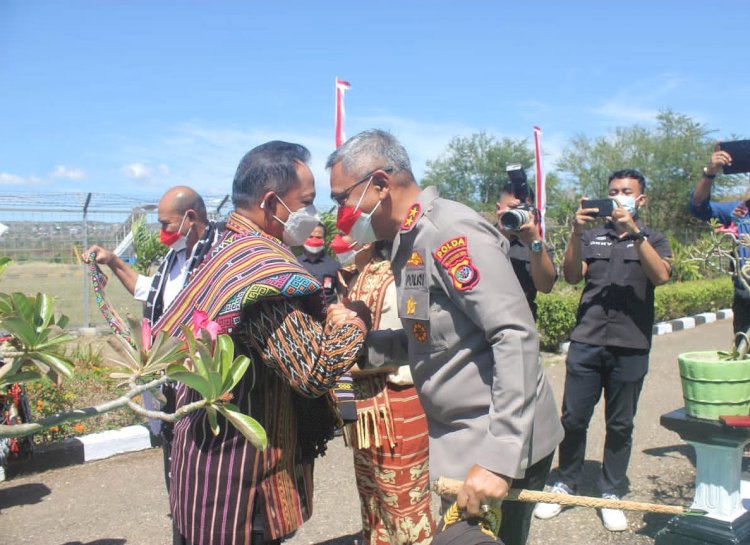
column 329, row 220
column 670, row 156
column 147, row 246
column 561, row 201
column 472, row 169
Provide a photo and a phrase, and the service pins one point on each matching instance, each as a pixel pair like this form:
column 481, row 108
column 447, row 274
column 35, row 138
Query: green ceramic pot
column 713, row 387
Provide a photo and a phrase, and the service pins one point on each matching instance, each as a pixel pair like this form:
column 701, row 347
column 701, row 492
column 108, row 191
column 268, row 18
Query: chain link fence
column 45, row 234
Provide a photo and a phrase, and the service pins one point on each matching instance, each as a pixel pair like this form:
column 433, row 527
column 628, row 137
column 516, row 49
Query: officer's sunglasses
column 342, row 196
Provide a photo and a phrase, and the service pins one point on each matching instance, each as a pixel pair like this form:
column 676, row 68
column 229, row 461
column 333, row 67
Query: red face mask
column 340, row 246
column 346, row 218
column 314, row 242
column 167, row 238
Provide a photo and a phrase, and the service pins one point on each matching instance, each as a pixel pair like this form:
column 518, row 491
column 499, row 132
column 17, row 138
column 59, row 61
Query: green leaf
column 4, row 262
column 134, row 324
column 225, row 352
column 128, row 359
column 216, row 383
column 55, row 361
column 62, row 321
column 25, row 377
column 191, row 380
column 212, row 420
column 22, row 330
column 198, row 361
column 246, row 425
column 166, row 350
column 189, row 337
column 6, row 304
column 42, row 311
column 236, row 372
column 206, row 355
column 58, row 337
column 24, row 306
column 10, row 369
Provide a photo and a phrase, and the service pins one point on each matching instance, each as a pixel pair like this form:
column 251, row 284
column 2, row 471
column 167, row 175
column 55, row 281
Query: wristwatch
column 707, row 175
column 640, row 235
column 536, row 246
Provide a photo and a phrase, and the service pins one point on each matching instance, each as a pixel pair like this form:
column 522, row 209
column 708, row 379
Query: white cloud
column 628, row 112
column 10, row 179
column 641, row 101
column 69, row 173
column 136, row 171
column 206, row 157
column 13, row 179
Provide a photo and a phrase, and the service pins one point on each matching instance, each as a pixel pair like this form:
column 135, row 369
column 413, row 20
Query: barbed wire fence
column 44, row 235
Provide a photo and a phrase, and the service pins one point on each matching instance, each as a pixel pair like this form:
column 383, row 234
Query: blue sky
column 134, row 97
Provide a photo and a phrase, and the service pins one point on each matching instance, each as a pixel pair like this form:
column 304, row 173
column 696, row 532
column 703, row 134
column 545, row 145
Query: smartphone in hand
column 605, row 206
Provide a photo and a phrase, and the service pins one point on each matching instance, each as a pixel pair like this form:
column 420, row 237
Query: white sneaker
column 613, row 519
column 551, row 510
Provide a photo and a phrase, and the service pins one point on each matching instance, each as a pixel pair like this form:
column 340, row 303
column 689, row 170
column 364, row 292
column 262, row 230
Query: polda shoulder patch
column 453, row 255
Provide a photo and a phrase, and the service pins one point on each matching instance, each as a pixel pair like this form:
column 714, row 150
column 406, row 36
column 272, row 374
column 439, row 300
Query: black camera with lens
column 518, row 186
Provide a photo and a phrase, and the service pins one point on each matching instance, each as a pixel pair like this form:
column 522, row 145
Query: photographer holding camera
column 621, row 261
column 517, row 221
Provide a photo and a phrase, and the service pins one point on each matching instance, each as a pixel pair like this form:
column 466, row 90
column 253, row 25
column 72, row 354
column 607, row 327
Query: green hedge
column 557, row 310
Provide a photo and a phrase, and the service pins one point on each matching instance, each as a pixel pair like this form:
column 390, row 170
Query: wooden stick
column 449, row 487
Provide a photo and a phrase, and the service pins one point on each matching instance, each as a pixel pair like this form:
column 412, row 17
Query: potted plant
column 716, row 383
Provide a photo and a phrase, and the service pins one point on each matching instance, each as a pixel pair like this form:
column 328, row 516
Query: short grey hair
column 368, row 150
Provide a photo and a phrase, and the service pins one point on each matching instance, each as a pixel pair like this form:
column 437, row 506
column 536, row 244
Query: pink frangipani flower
column 201, row 321
column 146, row 334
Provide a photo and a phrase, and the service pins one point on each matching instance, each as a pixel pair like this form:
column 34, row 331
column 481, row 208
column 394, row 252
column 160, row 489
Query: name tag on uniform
column 414, row 279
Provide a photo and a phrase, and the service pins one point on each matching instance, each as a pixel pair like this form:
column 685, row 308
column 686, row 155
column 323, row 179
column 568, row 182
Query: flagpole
column 541, row 189
column 341, row 87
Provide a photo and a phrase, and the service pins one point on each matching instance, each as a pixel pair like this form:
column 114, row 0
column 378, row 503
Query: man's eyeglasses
column 341, row 197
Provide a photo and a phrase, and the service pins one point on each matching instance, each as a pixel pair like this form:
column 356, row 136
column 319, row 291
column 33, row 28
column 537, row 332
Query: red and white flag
column 541, row 189
column 341, row 87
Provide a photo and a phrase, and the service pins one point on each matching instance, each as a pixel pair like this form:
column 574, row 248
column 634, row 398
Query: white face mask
column 628, row 203
column 362, row 230
column 299, row 225
column 346, row 258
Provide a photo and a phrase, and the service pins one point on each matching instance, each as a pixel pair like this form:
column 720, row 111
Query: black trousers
column 516, row 520
column 591, row 370
column 740, row 313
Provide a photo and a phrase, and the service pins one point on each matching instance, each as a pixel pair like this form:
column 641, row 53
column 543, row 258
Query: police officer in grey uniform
column 470, row 337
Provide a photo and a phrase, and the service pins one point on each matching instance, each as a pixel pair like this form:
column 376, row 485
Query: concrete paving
column 122, row 500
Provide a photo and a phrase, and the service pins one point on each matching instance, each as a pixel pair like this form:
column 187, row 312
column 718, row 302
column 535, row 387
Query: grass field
column 66, row 284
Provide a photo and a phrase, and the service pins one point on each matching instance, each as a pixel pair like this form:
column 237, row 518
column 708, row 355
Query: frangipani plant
column 144, row 356
column 36, row 339
column 213, row 371
column 203, row 360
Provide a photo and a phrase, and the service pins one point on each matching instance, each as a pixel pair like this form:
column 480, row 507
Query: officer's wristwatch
column 640, row 235
column 536, row 246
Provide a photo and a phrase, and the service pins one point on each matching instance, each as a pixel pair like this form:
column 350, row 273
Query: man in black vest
column 621, row 261
column 319, row 264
